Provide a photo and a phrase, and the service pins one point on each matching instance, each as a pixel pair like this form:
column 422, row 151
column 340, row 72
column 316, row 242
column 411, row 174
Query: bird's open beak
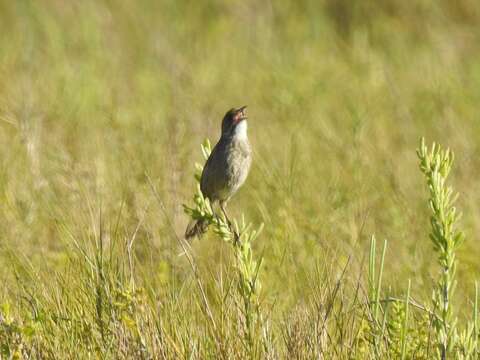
column 243, row 113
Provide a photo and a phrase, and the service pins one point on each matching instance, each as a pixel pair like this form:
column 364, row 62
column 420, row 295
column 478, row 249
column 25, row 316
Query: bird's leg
column 223, row 207
column 217, row 217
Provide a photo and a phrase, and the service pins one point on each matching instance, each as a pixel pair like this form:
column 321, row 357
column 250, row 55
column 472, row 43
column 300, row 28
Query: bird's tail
column 196, row 228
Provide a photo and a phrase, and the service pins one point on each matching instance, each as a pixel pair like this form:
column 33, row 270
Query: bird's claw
column 236, row 235
column 236, row 238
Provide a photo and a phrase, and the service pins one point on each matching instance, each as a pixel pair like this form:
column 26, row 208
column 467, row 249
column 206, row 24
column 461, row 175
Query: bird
column 226, row 168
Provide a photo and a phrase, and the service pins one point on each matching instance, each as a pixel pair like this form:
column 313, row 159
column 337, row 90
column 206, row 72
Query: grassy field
column 103, row 107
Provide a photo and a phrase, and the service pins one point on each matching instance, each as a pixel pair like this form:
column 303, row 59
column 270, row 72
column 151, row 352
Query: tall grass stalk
column 436, row 163
column 374, row 286
column 475, row 317
column 405, row 322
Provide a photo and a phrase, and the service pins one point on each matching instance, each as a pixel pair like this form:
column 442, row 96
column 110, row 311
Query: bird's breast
column 239, row 160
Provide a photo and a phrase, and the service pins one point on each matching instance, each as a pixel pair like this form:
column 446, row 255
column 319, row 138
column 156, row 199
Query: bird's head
column 234, row 122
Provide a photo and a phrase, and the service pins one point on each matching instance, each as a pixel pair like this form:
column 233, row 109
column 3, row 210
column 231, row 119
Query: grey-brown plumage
column 227, row 166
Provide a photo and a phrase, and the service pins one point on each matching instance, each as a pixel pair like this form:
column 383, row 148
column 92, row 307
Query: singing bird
column 227, row 166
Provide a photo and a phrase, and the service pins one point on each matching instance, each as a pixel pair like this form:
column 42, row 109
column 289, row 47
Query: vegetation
column 102, row 108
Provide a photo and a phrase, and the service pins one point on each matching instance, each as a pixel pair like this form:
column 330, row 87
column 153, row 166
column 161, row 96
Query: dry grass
column 98, row 97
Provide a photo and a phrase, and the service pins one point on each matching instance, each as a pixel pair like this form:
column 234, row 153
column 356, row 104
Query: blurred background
column 98, row 96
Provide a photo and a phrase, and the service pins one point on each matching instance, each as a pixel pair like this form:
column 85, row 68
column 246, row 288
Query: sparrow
column 226, row 168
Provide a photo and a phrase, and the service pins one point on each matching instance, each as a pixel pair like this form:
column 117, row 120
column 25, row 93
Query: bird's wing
column 214, row 177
